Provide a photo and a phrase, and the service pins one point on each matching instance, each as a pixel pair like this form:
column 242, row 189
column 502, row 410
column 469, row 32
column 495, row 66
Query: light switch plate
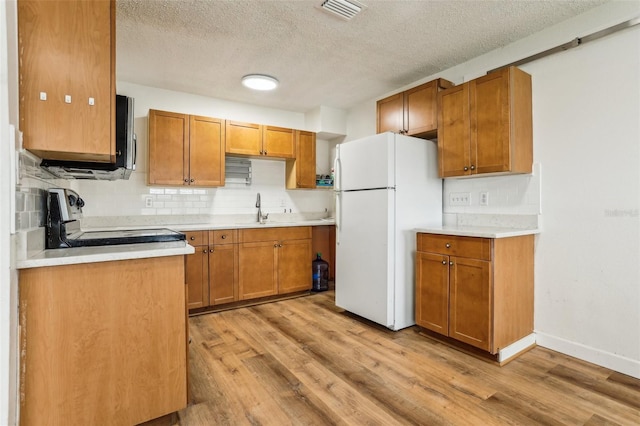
column 460, row 199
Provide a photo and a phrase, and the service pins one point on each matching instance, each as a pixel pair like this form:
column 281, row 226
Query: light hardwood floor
column 305, row 362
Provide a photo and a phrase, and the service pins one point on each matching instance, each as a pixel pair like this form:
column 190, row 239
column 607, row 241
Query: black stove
column 137, row 236
column 63, row 227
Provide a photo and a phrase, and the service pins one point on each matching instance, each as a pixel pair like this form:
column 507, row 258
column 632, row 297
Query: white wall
column 8, row 276
column 127, row 198
column 586, row 115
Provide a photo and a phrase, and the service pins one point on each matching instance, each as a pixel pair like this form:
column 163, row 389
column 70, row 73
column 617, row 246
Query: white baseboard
column 516, row 347
column 609, row 360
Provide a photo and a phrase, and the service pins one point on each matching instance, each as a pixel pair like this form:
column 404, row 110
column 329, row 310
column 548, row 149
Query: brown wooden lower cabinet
column 103, row 342
column 476, row 290
column 274, row 261
column 236, row 265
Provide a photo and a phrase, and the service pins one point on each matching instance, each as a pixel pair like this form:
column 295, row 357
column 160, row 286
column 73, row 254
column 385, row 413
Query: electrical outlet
column 484, row 198
column 148, row 202
column 460, row 199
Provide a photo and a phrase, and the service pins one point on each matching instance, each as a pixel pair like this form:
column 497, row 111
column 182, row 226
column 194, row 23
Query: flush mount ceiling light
column 345, row 9
column 259, row 82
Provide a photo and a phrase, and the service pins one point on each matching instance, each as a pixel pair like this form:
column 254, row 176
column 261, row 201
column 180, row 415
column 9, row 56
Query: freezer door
column 364, row 255
column 366, row 163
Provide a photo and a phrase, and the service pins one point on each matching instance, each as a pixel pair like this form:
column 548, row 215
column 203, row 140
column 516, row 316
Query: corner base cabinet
column 105, row 340
column 478, row 291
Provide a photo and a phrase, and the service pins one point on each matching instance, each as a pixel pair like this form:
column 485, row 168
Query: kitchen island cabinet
column 485, row 125
column 413, row 112
column 104, row 340
column 478, row 291
column 186, row 149
column 67, row 79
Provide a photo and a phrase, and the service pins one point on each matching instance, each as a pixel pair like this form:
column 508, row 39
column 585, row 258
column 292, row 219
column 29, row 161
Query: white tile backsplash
column 129, row 198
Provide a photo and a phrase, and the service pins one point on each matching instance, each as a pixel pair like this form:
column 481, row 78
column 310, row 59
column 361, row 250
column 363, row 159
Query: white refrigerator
column 386, row 186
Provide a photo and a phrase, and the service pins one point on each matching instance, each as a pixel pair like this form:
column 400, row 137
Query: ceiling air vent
column 345, row 9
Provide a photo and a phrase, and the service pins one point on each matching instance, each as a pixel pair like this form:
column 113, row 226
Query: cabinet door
column 223, row 274
column 243, row 138
column 257, row 273
column 454, row 155
column 470, row 302
column 490, row 122
column 390, row 114
column 67, row 49
column 196, row 277
column 294, row 266
column 420, row 109
column 206, row 151
column 168, row 148
column 278, row 142
column 301, row 172
column 432, row 292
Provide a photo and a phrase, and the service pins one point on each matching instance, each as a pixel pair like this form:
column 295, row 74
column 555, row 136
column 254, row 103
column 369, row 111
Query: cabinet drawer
column 471, row 247
column 223, row 236
column 197, row 238
column 269, row 234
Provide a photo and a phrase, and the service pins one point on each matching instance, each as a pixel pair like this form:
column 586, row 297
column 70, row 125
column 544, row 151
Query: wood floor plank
column 306, row 362
column 345, row 401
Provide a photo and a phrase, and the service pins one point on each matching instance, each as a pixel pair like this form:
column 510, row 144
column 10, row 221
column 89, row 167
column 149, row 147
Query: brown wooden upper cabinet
column 67, row 79
column 185, row 149
column 249, row 139
column 301, row 171
column 485, row 125
column 413, row 112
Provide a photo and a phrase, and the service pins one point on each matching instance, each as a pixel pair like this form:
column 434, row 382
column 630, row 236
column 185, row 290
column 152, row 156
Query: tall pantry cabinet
column 67, row 79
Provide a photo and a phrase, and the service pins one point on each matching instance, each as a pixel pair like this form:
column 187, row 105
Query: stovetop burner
column 135, row 236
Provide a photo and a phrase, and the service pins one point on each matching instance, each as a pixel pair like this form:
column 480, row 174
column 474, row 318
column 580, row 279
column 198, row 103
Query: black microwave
column 125, row 161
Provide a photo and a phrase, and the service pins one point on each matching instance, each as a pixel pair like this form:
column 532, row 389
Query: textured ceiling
column 205, row 47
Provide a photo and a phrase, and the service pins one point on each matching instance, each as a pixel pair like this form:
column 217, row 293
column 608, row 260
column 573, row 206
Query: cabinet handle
column 450, row 263
column 444, row 262
column 275, row 245
column 186, row 180
column 447, row 245
column 466, row 168
column 192, row 238
column 265, row 153
column 204, row 251
column 192, row 180
column 280, row 245
column 473, row 167
column 224, row 237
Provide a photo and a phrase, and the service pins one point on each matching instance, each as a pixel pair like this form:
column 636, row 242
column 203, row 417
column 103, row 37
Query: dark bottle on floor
column 320, row 274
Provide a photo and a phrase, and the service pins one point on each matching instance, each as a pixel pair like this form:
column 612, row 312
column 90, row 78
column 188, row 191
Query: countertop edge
column 77, row 255
column 482, row 232
column 216, row 226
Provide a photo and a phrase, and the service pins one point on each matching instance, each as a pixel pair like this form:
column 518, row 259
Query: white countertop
column 213, row 226
column 69, row 256
column 478, row 231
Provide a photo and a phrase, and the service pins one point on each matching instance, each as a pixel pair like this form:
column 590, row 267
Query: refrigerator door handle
column 337, row 171
column 338, row 216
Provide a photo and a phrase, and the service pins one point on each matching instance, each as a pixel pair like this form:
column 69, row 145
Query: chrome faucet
column 261, row 218
column 259, row 208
